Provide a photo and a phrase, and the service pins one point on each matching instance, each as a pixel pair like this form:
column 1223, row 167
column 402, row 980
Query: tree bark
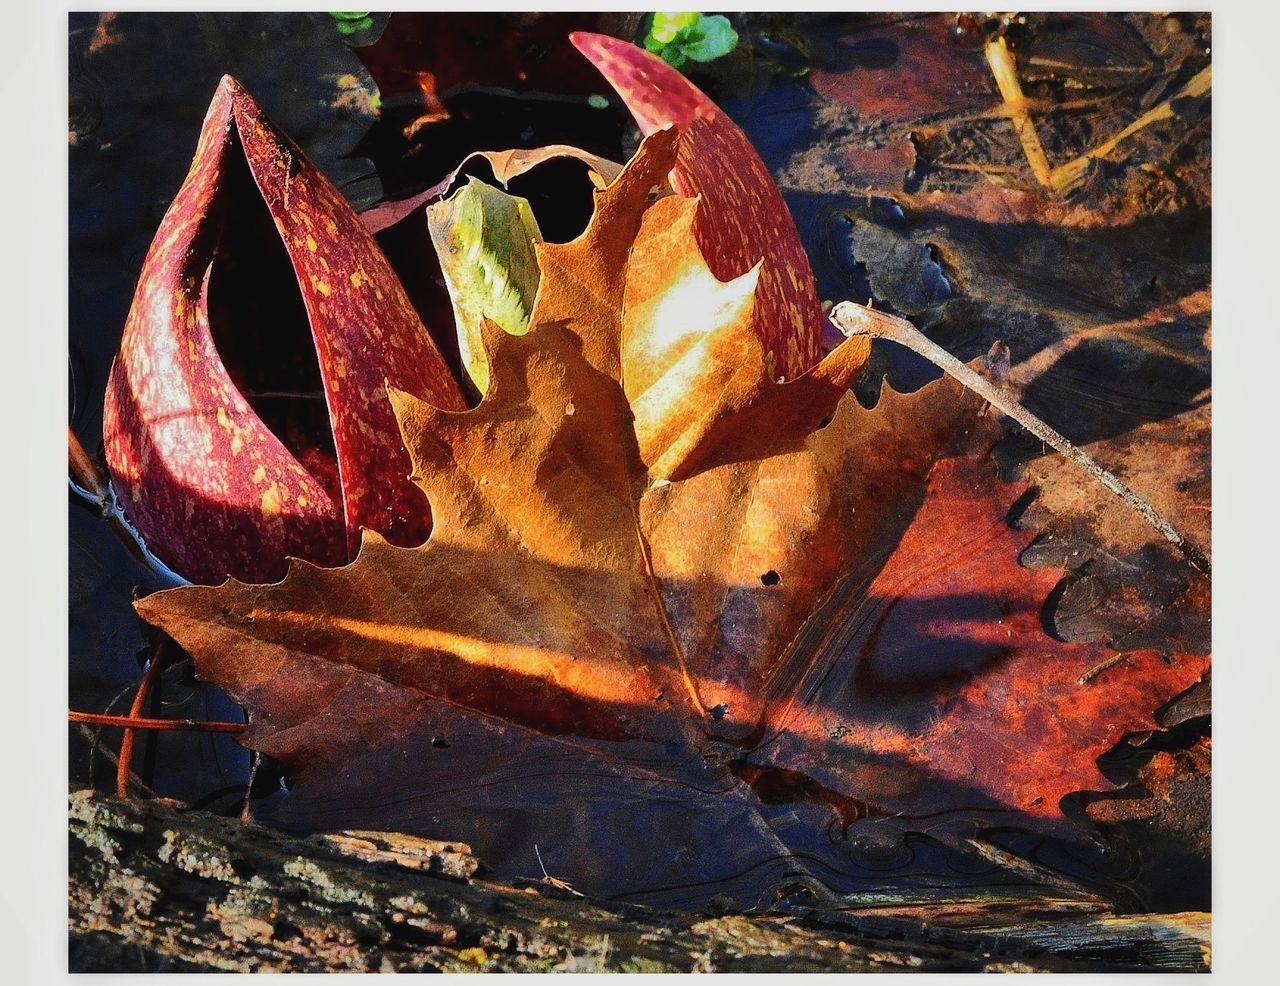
column 157, row 888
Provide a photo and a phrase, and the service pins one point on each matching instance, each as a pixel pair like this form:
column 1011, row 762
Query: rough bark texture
column 157, row 888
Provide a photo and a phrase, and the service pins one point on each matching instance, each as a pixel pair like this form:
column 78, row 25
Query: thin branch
column 853, row 319
column 1000, row 58
column 1065, row 176
column 135, row 711
column 1097, row 669
column 161, row 725
column 83, row 469
column 88, row 481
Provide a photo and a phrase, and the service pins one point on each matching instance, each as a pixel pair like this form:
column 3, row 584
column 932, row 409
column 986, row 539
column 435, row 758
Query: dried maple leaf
column 543, row 480
column 641, row 536
column 187, row 451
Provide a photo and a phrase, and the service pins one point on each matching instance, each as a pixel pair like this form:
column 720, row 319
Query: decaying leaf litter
column 1103, row 293
column 780, row 777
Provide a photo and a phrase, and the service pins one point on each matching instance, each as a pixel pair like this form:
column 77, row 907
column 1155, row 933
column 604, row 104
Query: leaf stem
column 161, row 725
column 84, row 472
column 1000, row 58
column 135, row 711
column 853, row 319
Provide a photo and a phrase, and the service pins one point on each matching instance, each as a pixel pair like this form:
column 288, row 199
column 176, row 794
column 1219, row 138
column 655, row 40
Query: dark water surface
column 140, row 84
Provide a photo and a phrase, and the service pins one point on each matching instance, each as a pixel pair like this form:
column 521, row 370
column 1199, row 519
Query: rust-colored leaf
column 1121, row 367
column 188, row 450
column 904, row 69
column 948, row 690
column 641, row 536
column 743, row 219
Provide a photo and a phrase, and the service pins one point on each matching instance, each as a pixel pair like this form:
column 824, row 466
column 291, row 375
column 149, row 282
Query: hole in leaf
column 559, row 193
column 770, row 578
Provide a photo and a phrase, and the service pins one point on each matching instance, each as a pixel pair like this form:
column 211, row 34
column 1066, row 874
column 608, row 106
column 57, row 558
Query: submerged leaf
column 901, row 69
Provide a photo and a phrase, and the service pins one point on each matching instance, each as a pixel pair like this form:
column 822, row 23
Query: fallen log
column 155, row 887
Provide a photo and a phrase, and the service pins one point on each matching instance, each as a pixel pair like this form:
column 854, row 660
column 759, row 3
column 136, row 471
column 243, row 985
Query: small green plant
column 351, row 21
column 678, row 38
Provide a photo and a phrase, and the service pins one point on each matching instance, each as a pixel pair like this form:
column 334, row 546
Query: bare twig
column 1065, row 176
column 1000, row 58
column 88, row 481
column 853, row 319
column 160, row 725
column 981, row 168
column 550, row 880
column 1097, row 669
column 135, row 711
column 83, row 470
column 246, row 811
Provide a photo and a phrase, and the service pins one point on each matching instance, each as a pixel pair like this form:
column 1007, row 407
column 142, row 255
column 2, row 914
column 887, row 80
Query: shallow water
column 603, row 819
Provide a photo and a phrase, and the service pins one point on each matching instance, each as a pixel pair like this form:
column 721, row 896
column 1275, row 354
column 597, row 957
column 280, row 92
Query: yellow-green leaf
column 484, row 238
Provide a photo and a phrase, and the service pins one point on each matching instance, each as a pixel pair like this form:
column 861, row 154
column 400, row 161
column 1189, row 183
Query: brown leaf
column 544, row 506
column 506, row 166
column 534, row 512
column 518, row 161
column 640, row 535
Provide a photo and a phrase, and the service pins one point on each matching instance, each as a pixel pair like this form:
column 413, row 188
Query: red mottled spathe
column 208, row 486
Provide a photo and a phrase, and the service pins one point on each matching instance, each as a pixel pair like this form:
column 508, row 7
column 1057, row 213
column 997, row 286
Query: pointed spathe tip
column 588, row 42
column 229, row 96
column 656, row 94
